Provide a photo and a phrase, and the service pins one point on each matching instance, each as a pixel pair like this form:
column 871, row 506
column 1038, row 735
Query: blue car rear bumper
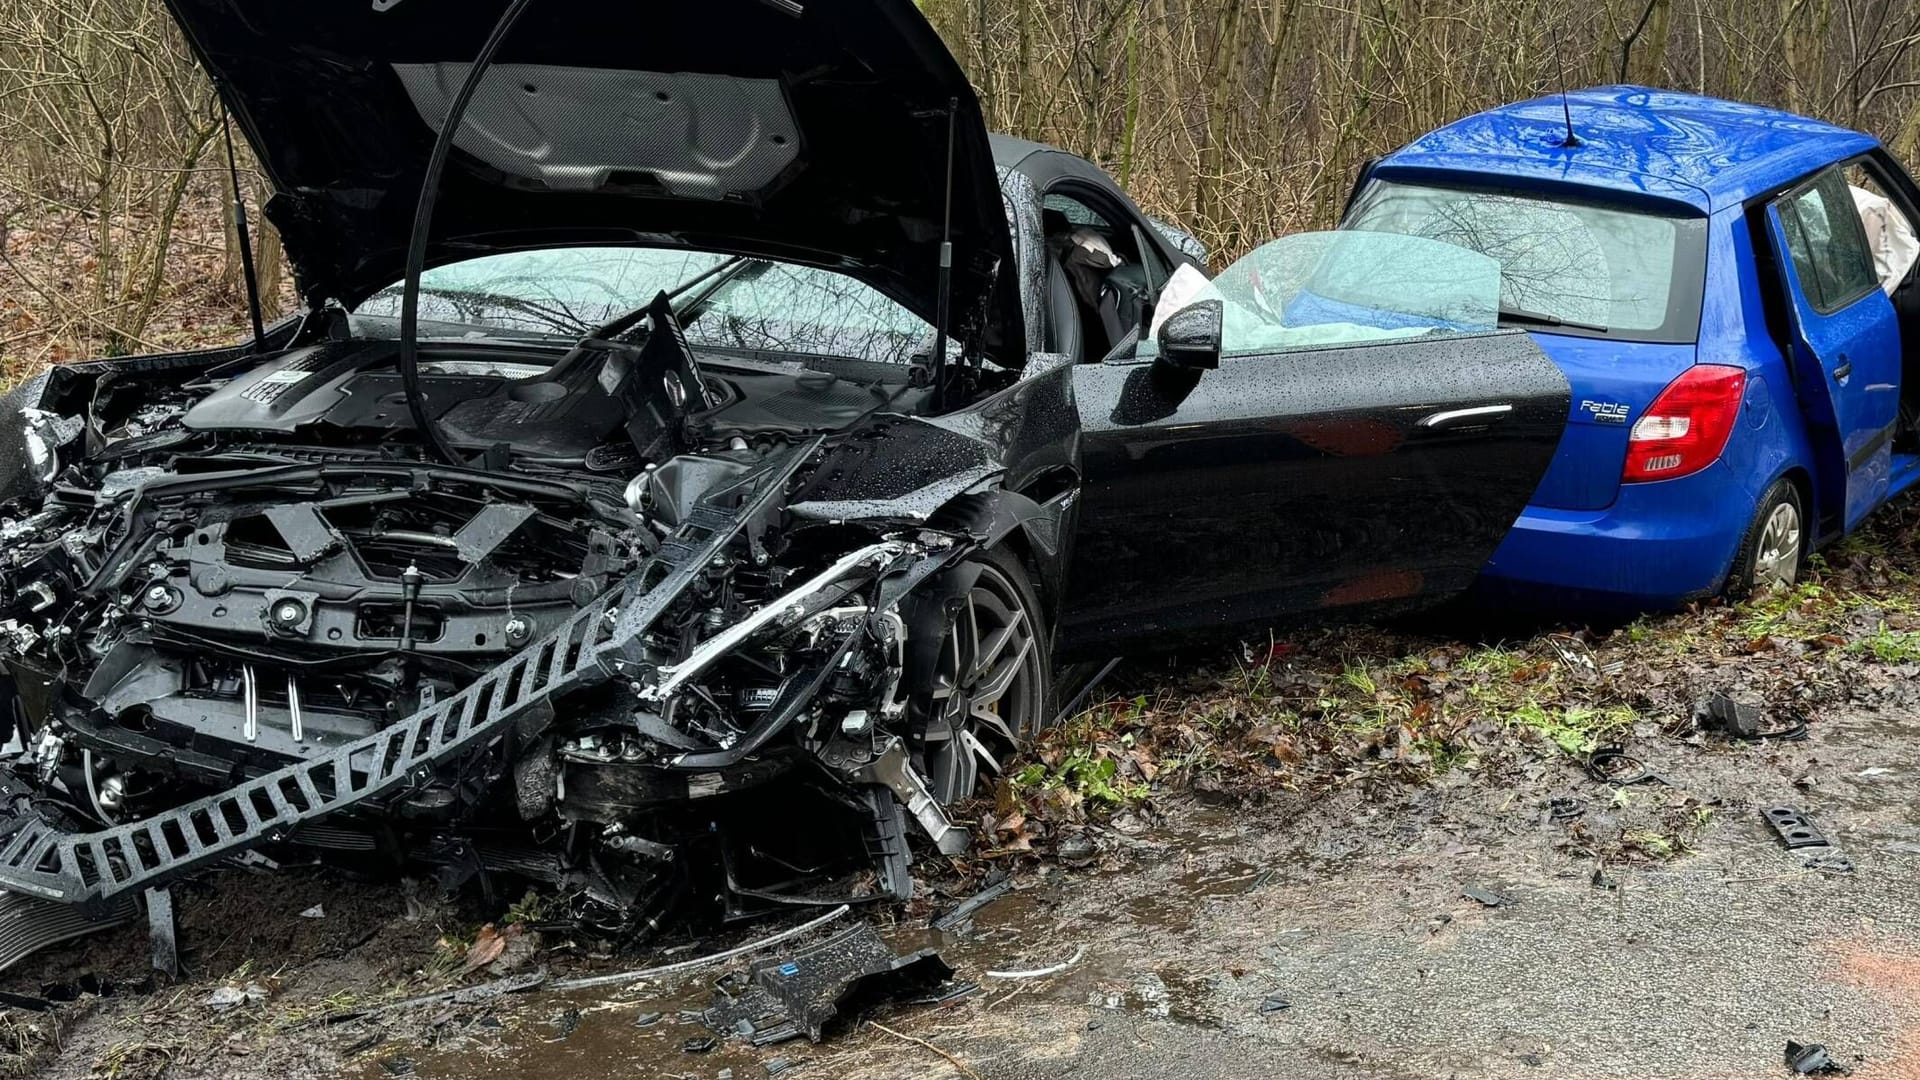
column 1658, row 545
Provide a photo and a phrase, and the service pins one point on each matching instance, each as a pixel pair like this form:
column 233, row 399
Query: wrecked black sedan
column 748, row 446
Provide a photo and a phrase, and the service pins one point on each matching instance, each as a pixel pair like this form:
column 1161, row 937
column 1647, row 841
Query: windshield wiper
column 1541, row 318
column 722, row 271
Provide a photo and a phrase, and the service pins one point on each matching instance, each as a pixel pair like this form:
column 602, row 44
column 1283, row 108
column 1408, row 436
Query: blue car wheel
column 1774, row 547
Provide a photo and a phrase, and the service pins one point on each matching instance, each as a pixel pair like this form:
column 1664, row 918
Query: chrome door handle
column 1479, row 414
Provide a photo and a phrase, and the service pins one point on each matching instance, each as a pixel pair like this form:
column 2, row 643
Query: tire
column 1774, row 549
column 987, row 707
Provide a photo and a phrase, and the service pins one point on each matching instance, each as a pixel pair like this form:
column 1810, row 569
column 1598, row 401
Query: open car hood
column 814, row 132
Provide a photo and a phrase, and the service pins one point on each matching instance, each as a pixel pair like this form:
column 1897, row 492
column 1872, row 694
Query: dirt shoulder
column 1266, row 861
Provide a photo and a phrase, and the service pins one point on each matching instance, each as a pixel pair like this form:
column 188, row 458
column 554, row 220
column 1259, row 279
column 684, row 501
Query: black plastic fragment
column 827, row 985
column 162, row 933
column 965, row 909
column 1813, row 1059
column 1612, row 765
column 1718, row 712
column 1795, row 829
column 699, row 1044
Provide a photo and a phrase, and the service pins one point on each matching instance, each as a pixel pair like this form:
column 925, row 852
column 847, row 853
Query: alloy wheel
column 1776, row 559
column 986, row 697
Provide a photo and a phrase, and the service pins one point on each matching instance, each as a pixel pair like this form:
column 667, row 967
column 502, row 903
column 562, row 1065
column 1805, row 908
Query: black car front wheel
column 991, row 690
column 1775, row 546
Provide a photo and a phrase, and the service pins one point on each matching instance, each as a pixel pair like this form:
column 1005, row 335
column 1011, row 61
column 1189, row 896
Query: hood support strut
column 409, row 360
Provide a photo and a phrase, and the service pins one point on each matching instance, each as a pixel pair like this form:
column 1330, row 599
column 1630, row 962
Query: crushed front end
column 649, row 686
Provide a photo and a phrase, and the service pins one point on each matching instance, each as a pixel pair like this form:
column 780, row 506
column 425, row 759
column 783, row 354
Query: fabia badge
column 1605, row 412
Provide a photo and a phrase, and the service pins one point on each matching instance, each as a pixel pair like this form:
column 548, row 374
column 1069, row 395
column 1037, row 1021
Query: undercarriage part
column 599, row 642
column 29, row 924
column 892, row 770
column 826, row 985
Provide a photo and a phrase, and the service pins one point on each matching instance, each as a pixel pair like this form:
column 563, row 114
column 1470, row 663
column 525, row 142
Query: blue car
column 1729, row 290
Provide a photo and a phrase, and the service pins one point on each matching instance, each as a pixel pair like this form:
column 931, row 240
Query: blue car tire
column 1774, row 549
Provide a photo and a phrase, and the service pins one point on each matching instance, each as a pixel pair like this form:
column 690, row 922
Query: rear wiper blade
column 1541, row 318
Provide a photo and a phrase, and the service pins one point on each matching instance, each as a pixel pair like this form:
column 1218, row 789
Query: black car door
column 1349, row 478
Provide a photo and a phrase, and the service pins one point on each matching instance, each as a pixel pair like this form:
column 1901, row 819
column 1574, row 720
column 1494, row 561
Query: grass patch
column 1576, row 729
column 1888, row 646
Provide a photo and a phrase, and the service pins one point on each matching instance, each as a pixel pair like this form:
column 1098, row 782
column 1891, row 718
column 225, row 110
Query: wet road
column 1350, row 908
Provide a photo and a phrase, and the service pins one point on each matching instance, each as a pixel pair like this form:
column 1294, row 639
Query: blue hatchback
column 1732, row 408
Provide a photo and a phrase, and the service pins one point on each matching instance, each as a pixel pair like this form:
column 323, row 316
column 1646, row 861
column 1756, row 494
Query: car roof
column 1636, row 142
column 1010, row 152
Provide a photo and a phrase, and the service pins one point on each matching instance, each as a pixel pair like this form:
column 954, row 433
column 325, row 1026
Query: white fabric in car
column 1890, row 237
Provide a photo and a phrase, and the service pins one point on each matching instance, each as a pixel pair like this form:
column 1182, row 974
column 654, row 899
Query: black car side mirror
column 1190, row 338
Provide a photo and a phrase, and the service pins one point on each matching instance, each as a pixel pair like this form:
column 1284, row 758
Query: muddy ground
column 1262, row 862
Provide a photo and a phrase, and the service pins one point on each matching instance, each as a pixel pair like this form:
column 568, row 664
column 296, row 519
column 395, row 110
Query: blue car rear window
column 1566, row 266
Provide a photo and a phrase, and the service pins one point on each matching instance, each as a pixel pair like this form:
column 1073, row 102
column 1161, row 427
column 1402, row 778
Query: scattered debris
column 1565, row 808
column 1578, row 657
column 1041, row 973
column 647, row 1019
column 1829, row 864
column 776, row 1066
column 231, row 995
column 1612, row 765
column 1718, row 712
column 699, row 1044
column 163, row 942
column 470, row 995
column 1795, row 829
column 1484, row 896
column 621, row 978
column 1274, row 1003
column 1076, row 849
column 317, row 911
column 825, row 985
column 564, row 1023
column 1813, row 1059
column 964, row 911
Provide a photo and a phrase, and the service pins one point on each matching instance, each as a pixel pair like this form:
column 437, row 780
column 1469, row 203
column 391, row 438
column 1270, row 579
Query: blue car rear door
column 1846, row 338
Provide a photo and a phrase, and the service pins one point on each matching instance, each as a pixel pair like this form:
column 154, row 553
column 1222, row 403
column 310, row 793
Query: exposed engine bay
column 675, row 631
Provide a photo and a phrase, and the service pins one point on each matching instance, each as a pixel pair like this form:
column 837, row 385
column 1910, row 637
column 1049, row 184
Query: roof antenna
column 409, row 359
column 1566, row 110
column 944, row 291
column 240, row 232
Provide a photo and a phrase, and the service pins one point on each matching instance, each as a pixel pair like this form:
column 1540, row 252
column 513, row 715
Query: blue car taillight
column 1687, row 426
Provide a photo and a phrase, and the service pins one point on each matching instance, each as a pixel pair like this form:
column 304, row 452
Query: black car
column 749, row 444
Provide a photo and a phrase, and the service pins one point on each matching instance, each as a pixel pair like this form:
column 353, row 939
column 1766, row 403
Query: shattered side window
column 1331, row 288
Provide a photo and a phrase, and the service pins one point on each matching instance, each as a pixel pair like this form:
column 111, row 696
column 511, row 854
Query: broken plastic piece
column 1718, row 712
column 1274, row 1003
column 161, row 933
column 1813, row 1059
column 828, row 984
column 620, row 978
column 1795, row 829
column 965, row 909
column 1041, row 973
